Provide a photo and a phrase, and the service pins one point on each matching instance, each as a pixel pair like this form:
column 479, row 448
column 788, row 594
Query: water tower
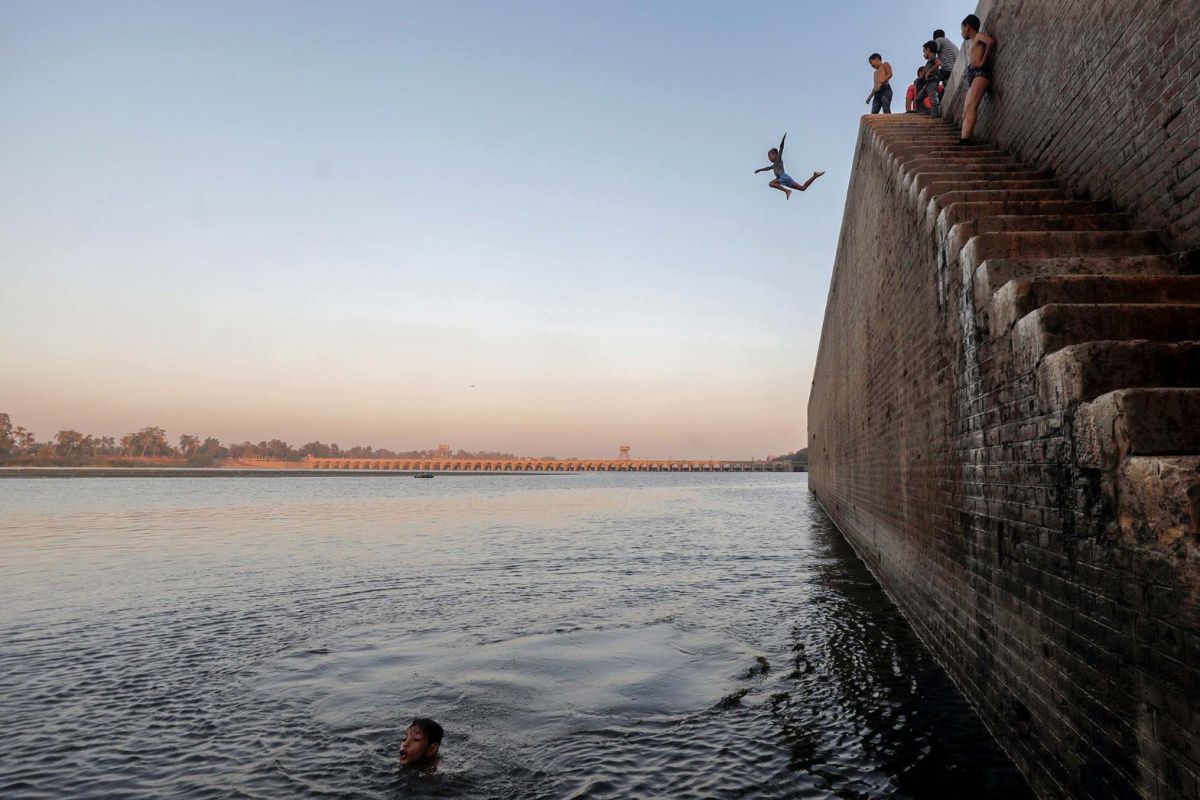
column 624, row 450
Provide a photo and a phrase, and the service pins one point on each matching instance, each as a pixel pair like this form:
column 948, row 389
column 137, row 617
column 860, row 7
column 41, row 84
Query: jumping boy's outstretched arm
column 764, row 169
column 781, row 141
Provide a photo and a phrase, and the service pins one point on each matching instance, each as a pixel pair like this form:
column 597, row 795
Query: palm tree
column 26, row 440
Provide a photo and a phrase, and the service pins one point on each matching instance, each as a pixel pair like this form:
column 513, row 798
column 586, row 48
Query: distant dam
column 542, row 465
column 1005, row 413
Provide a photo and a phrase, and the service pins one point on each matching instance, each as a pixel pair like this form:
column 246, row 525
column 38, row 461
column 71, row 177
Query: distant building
column 443, row 451
column 624, row 452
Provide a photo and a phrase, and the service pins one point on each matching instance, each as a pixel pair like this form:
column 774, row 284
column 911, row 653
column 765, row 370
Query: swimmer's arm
column 781, row 141
column 887, row 73
column 764, row 169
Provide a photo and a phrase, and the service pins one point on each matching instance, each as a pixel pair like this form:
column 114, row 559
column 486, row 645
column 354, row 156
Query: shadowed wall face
column 970, row 436
column 1106, row 93
column 1003, row 414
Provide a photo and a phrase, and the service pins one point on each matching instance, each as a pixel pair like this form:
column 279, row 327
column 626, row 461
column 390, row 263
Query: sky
column 520, row 226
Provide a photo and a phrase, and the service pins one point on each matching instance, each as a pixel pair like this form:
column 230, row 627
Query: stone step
column 939, row 155
column 936, row 151
column 946, row 155
column 957, row 236
column 935, row 156
column 899, row 120
column 930, row 191
column 944, row 170
column 940, row 142
column 932, row 166
column 1159, row 500
column 995, row 272
column 908, row 127
column 1137, row 422
column 915, row 182
column 922, row 162
column 898, row 141
column 909, row 133
column 1020, row 296
column 899, row 145
column 1001, row 206
column 967, row 152
column 1059, row 244
column 902, row 141
column 1052, row 327
column 947, row 199
column 1086, row 371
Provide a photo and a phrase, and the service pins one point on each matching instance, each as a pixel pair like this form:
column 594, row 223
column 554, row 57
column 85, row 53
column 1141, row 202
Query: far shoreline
column 234, row 472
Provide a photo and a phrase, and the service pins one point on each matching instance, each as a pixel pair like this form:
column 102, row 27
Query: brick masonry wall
column 1105, row 93
column 931, row 450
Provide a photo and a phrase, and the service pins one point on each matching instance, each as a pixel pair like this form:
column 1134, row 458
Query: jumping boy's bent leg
column 979, row 87
column 809, row 182
column 775, row 184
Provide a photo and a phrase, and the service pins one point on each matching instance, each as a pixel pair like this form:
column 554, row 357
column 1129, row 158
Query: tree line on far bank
column 798, row 458
column 72, row 448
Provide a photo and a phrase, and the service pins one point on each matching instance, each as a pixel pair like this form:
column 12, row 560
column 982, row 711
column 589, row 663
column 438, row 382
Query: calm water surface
column 579, row 636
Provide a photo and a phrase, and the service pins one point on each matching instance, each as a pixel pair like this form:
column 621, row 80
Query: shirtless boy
column 979, row 47
column 881, row 92
column 784, row 182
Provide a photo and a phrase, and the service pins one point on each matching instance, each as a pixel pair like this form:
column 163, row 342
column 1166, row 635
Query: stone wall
column 1106, row 93
column 1005, row 419
column 1005, row 414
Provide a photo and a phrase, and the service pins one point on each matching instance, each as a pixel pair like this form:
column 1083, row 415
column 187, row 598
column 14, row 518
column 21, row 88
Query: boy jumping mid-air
column 784, row 182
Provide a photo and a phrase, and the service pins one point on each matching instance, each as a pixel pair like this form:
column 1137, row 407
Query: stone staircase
column 1102, row 313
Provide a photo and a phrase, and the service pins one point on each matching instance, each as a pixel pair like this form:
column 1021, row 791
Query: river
column 596, row 635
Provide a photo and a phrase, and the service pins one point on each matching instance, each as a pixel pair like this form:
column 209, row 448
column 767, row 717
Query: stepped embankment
column 1005, row 413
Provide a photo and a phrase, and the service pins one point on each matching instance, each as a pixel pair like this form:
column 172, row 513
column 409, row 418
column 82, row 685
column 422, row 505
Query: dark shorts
column 787, row 181
column 977, row 72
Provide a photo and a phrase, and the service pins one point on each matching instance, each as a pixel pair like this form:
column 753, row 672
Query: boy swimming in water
column 422, row 741
column 784, row 182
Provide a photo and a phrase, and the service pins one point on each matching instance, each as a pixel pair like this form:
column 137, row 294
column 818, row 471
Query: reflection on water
column 578, row 636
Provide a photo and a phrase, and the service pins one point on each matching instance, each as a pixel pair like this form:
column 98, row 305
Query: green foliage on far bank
column 70, row 448
column 798, row 458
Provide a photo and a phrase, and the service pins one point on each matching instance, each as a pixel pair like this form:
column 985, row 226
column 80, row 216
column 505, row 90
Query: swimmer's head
column 422, row 740
column 772, row 155
column 875, row 60
column 970, row 26
column 930, row 49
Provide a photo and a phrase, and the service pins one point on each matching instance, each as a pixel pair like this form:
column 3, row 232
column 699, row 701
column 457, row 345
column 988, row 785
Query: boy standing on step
column 881, row 94
column 947, row 54
column 929, row 97
column 978, row 47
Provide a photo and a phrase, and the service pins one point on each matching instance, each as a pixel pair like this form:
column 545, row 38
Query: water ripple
column 585, row 637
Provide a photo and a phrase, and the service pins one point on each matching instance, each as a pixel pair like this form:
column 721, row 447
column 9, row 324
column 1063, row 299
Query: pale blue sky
column 328, row 220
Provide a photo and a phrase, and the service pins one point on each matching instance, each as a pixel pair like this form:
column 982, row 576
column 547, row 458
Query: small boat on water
column 423, row 475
